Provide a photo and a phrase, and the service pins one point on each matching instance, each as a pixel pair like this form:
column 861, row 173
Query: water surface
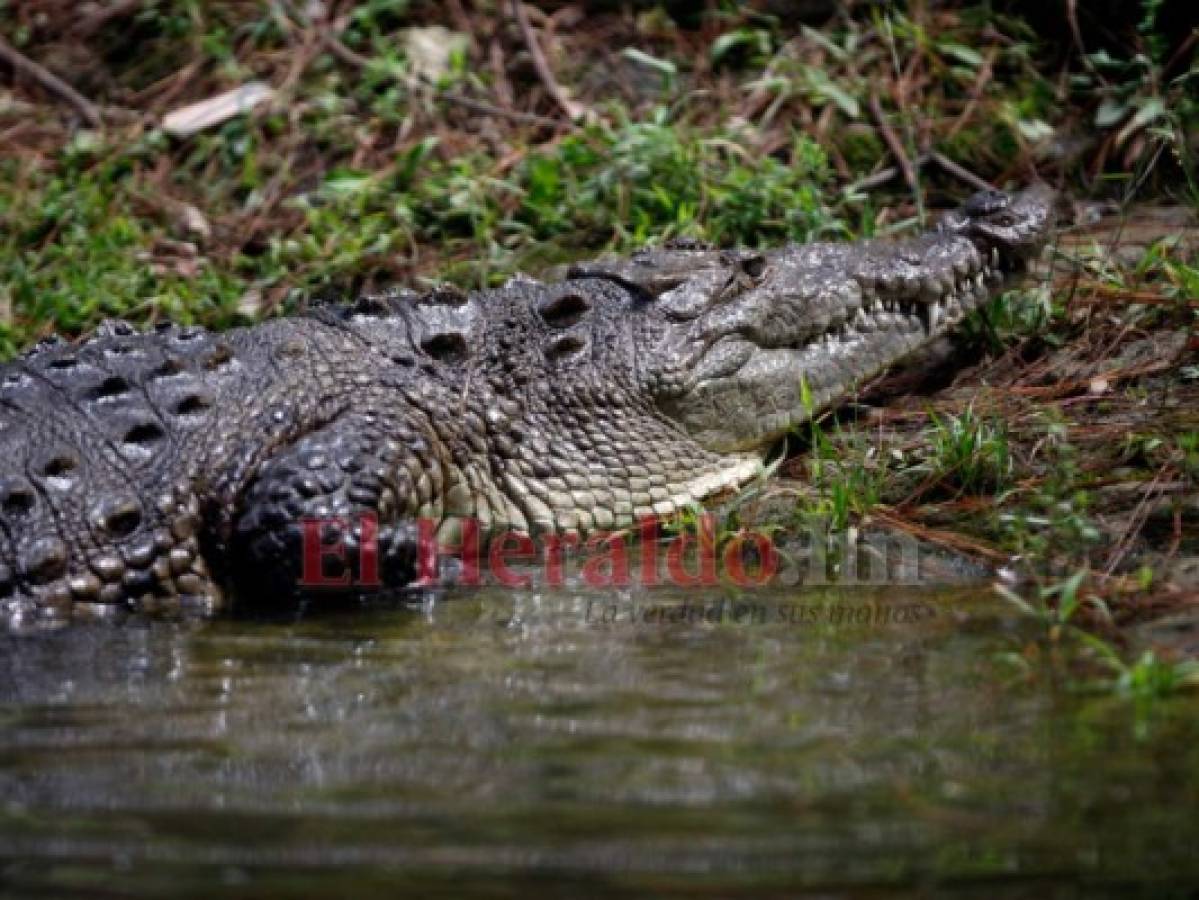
column 587, row 744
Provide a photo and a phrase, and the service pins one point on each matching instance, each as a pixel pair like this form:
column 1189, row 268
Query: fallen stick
column 882, row 176
column 574, row 111
column 960, row 172
column 490, row 109
column 891, row 139
column 950, row 539
column 87, row 110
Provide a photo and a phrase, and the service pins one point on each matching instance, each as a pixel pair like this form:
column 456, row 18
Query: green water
column 492, row 745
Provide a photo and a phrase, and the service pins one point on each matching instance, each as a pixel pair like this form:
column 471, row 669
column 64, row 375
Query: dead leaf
column 193, row 222
column 430, row 50
column 196, row 117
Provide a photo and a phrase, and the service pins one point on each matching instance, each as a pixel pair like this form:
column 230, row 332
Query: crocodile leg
column 334, row 513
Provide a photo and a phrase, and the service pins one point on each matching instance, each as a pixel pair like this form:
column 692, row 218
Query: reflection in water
column 615, row 742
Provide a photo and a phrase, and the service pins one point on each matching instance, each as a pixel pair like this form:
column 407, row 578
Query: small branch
column 490, row 109
column 985, row 73
column 93, row 22
column 951, row 539
column 342, row 52
column 87, row 110
column 574, row 111
column 1135, row 524
column 960, row 172
column 881, row 177
column 895, row 145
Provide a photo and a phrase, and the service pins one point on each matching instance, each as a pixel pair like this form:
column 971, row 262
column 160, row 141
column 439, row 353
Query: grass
column 1063, row 444
column 1058, row 606
column 970, row 454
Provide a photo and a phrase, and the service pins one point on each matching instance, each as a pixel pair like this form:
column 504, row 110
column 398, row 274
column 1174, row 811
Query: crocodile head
column 752, row 343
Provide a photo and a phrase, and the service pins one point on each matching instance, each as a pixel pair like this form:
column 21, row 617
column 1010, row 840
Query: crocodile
column 174, row 467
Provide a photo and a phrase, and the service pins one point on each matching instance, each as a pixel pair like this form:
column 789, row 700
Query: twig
column 985, row 71
column 949, row 539
column 1107, row 294
column 895, row 146
column 499, row 78
column 1064, row 388
column 881, row 177
column 960, row 172
column 574, row 111
column 1076, row 33
column 462, row 22
column 96, row 20
column 342, row 52
column 1182, row 52
column 87, row 110
column 1135, row 525
column 490, row 109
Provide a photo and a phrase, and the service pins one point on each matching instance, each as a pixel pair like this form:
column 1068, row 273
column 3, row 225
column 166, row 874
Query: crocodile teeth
column 980, row 288
column 935, row 314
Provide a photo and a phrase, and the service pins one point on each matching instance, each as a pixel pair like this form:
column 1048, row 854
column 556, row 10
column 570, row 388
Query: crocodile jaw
column 825, row 317
column 789, row 384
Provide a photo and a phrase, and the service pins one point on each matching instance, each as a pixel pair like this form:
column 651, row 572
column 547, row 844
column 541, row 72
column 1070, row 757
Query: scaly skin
column 152, row 469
